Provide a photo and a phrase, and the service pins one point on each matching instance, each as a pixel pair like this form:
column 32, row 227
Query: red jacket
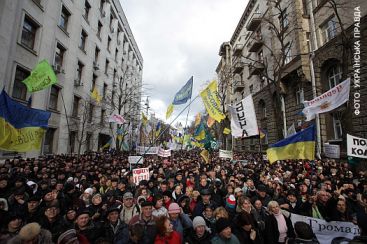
column 174, row 238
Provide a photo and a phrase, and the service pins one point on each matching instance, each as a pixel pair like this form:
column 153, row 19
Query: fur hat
column 222, row 223
column 29, row 231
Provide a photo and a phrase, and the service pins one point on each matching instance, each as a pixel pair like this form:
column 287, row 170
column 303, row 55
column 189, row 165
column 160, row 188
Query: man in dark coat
column 145, row 220
column 115, row 230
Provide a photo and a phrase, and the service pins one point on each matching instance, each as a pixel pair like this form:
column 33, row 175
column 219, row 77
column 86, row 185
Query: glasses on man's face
column 53, row 209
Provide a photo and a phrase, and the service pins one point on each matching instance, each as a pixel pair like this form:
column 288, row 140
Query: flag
column 205, row 155
column 291, row 130
column 262, row 133
column 144, row 118
column 197, row 119
column 211, row 101
column 226, row 131
column 107, row 145
column 328, row 101
column 169, row 111
column 117, row 118
column 21, row 128
column 95, row 95
column 210, row 121
column 200, row 132
column 298, row 146
column 184, row 93
column 125, row 146
column 42, row 76
column 158, row 129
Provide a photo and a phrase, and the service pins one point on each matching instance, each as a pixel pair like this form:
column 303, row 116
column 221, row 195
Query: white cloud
column 179, row 39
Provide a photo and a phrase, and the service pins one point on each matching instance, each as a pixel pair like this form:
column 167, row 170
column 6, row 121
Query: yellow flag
column 197, row 119
column 144, row 118
column 211, row 101
column 95, row 95
column 210, row 122
column 226, row 131
column 201, row 135
column 169, row 111
column 205, row 155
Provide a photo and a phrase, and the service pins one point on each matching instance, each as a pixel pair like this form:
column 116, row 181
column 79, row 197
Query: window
column 72, row 140
column 308, row 42
column 103, row 113
column 54, row 97
column 260, row 57
column 283, row 19
column 79, row 72
column 328, row 30
column 19, row 89
column 262, row 82
column 99, row 31
column 106, row 67
column 29, row 32
column 288, row 53
column 334, row 75
column 101, row 4
column 299, row 96
column 90, row 113
column 104, row 91
column 96, row 54
column 262, row 109
column 338, row 131
column 305, row 7
column 48, row 142
column 251, row 88
column 59, row 55
column 109, row 43
column 76, row 106
column 112, row 96
column 88, row 141
column 64, row 19
column 114, row 74
column 94, row 80
column 83, row 40
column 111, row 21
column 86, row 10
column 116, row 54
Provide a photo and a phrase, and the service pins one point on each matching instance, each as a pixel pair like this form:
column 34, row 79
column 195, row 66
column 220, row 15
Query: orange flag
column 210, row 121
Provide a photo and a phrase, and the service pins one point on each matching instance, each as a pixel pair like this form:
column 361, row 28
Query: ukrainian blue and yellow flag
column 21, row 128
column 184, row 93
column 298, row 146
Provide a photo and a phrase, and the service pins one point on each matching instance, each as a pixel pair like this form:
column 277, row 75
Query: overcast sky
column 179, row 39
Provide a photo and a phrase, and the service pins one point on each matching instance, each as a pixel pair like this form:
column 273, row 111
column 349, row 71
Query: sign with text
column 225, row 154
column 140, row 174
column 331, row 151
column 164, row 153
column 326, row 232
column 357, row 147
column 136, row 159
column 146, row 150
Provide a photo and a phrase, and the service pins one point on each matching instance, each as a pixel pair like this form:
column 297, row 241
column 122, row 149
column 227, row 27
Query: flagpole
column 187, row 116
column 191, row 101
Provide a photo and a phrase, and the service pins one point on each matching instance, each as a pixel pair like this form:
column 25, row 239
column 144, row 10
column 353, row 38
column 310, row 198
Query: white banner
column 357, row 147
column 164, row 153
column 243, row 118
column 136, row 159
column 327, row 231
column 328, row 101
column 151, row 150
column 225, row 154
column 117, row 118
column 140, row 174
column 331, row 151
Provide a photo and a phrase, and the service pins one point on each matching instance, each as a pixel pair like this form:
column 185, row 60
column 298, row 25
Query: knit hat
column 222, row 224
column 231, row 201
column 89, row 191
column 174, row 208
column 198, row 221
column 128, row 195
column 29, row 231
column 67, row 237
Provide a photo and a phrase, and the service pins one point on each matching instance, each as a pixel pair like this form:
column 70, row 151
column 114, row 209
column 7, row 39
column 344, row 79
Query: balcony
column 238, row 86
column 238, row 50
column 256, row 42
column 238, row 67
column 256, row 68
column 254, row 22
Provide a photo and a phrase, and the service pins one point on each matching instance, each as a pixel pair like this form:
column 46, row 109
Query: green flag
column 42, row 76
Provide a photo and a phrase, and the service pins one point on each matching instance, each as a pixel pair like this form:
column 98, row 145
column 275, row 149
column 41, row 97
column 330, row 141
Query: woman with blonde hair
column 221, row 212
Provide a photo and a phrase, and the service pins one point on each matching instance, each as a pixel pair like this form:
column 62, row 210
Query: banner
column 42, row 76
column 328, row 101
column 95, row 95
column 136, row 159
column 197, row 119
column 151, row 150
column 226, row 131
column 331, row 151
column 117, row 118
column 211, row 101
column 357, row 147
column 140, row 174
column 243, row 118
column 205, row 155
column 184, row 93
column 169, row 111
column 225, row 154
column 164, row 153
column 326, row 232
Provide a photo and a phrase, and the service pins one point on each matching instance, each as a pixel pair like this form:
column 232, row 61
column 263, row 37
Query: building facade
column 90, row 46
column 275, row 55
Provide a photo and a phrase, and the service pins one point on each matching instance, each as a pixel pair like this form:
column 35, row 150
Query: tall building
column 90, row 45
column 279, row 53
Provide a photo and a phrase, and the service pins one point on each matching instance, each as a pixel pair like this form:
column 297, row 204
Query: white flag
column 328, row 101
column 291, row 130
column 117, row 119
column 243, row 118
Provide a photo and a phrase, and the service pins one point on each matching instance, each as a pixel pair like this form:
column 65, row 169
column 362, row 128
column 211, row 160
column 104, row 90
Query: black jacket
column 120, row 236
column 192, row 238
column 272, row 232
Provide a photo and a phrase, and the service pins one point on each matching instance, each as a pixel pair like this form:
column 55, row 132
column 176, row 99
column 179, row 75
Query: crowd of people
column 93, row 199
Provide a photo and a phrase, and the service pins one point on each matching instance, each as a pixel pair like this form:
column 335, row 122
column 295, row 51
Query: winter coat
column 244, row 236
column 149, row 227
column 118, row 233
column 272, row 232
column 182, row 224
column 173, row 238
column 192, row 238
column 92, row 232
column 127, row 214
column 217, row 239
column 44, row 237
column 56, row 228
column 302, row 241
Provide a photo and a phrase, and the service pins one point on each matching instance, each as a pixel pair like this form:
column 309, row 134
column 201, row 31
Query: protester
column 200, row 234
column 224, row 233
column 32, row 233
